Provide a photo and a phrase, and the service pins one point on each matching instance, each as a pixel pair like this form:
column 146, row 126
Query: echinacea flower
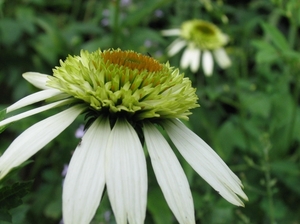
column 199, row 37
column 126, row 95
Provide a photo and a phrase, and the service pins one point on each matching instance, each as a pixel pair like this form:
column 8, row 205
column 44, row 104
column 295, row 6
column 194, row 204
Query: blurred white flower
column 202, row 40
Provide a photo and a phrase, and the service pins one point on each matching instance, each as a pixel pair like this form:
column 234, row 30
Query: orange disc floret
column 132, row 60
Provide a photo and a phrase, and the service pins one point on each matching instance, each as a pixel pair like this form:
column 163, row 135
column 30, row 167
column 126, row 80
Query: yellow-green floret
column 125, row 82
column 204, row 35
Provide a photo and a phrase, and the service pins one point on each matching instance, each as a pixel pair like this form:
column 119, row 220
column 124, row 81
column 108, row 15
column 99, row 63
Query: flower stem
column 116, row 23
column 290, row 133
column 292, row 70
column 293, row 32
column 269, row 183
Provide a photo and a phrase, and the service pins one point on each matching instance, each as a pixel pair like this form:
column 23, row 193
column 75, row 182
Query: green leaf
column 262, row 45
column 276, row 36
column 256, row 103
column 10, row 31
column 288, row 173
column 93, row 45
column 292, row 55
column 5, row 216
column 230, row 134
column 158, row 207
column 11, row 196
column 14, row 170
column 137, row 16
column 2, row 116
column 142, row 34
column 266, row 52
column 266, row 56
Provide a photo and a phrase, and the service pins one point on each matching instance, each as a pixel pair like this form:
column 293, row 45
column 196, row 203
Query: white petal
column 126, row 174
column 222, row 58
column 169, row 175
column 195, row 59
column 171, row 32
column 205, row 161
column 35, row 111
column 33, row 98
column 85, row 180
column 185, row 60
column 36, row 137
column 37, row 79
column 207, row 63
column 176, row 46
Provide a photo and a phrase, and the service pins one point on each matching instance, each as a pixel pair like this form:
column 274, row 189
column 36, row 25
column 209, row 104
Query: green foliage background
column 250, row 113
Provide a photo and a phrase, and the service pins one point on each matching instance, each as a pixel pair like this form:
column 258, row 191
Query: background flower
column 199, row 37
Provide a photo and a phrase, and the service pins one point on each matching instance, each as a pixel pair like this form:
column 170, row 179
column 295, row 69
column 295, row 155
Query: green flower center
column 124, row 82
column 205, row 30
column 203, row 34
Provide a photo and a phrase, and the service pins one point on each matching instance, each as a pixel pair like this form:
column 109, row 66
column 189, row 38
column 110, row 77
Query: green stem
column 293, row 32
column 296, row 93
column 244, row 66
column 90, row 8
column 269, row 183
column 292, row 35
column 75, row 9
column 116, row 24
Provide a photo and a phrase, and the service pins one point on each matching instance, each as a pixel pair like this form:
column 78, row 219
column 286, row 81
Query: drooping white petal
column 207, row 63
column 33, row 98
column 171, row 32
column 169, row 175
column 35, row 111
column 176, row 46
column 37, row 79
column 126, row 174
column 85, row 180
column 222, row 58
column 36, row 137
column 195, row 59
column 185, row 60
column 205, row 162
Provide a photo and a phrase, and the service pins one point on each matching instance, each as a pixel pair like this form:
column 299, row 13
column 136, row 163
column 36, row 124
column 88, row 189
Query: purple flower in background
column 80, row 131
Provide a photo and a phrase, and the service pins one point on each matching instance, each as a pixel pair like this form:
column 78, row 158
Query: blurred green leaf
column 256, row 103
column 10, row 31
column 287, row 172
column 5, row 216
column 136, row 17
column 279, row 208
column 292, row 55
column 11, row 196
column 14, row 171
column 26, row 18
column 221, row 215
column 229, row 136
column 158, row 207
column 266, row 52
column 102, row 43
column 276, row 36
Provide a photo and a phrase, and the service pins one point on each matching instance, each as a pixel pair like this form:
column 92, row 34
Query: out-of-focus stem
column 269, row 184
column 116, row 24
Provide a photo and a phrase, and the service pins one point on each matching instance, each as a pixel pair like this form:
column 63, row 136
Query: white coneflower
column 125, row 95
column 199, row 37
